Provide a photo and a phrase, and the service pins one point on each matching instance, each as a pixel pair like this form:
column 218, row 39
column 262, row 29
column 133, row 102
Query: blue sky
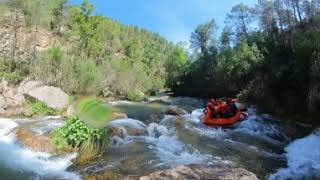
column 172, row 19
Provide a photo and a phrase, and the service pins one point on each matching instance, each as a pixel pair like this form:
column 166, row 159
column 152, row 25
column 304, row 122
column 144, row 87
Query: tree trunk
column 244, row 27
column 294, row 10
column 299, row 11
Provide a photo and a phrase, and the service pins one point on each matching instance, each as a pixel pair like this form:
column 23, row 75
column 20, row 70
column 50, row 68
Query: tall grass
column 87, row 152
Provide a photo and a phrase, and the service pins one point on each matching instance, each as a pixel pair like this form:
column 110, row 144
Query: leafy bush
column 12, row 75
column 94, row 113
column 75, row 133
column 72, row 74
column 134, row 96
column 40, row 108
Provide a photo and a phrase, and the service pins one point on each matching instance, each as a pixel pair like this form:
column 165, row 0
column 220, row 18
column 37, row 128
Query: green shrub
column 94, row 113
column 40, row 108
column 11, row 77
column 75, row 133
column 134, row 96
column 73, row 74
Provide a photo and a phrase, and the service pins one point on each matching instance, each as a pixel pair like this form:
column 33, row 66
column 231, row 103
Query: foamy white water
column 303, row 157
column 132, row 123
column 19, row 158
column 170, row 150
column 195, row 116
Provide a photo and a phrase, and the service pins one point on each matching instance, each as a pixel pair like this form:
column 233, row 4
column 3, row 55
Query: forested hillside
column 71, row 47
column 268, row 54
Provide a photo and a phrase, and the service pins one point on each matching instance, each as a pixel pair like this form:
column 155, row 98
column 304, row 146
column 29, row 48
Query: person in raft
column 217, row 109
column 230, row 109
column 213, row 108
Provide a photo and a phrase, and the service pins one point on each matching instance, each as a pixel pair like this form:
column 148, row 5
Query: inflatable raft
column 221, row 122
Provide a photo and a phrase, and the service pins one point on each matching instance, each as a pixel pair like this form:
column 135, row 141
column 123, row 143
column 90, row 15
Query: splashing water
column 170, row 150
column 303, row 159
column 127, row 123
column 14, row 156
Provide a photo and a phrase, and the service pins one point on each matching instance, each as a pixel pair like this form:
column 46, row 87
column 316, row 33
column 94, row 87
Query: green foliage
column 241, row 15
column 73, row 75
column 176, row 65
column 237, row 63
column 40, row 108
column 134, row 96
column 109, row 59
column 202, row 38
column 13, row 76
column 57, row 8
column 94, row 113
column 87, row 152
column 85, row 25
column 75, row 133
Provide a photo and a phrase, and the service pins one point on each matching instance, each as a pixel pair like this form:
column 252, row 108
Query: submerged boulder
column 123, row 127
column 118, row 115
column 35, row 142
column 174, row 110
column 202, row 172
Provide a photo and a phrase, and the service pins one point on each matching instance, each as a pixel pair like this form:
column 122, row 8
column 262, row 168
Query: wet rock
column 118, row 115
column 35, row 142
column 173, row 110
column 202, row 172
column 124, row 131
column 154, row 118
column 176, row 121
column 159, row 101
column 109, row 174
column 53, row 97
column 123, row 127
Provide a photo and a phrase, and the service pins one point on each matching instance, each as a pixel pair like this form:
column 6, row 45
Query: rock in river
column 39, row 143
column 53, row 97
column 202, row 172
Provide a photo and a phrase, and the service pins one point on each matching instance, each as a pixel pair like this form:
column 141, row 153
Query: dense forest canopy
column 268, row 53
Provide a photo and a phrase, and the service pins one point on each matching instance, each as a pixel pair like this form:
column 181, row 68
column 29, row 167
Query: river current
column 269, row 147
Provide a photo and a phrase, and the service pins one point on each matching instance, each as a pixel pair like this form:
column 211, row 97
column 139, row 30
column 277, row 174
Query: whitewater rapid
column 303, row 157
column 258, row 143
column 23, row 160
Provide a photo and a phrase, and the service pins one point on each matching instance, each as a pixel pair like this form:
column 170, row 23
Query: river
column 270, row 148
